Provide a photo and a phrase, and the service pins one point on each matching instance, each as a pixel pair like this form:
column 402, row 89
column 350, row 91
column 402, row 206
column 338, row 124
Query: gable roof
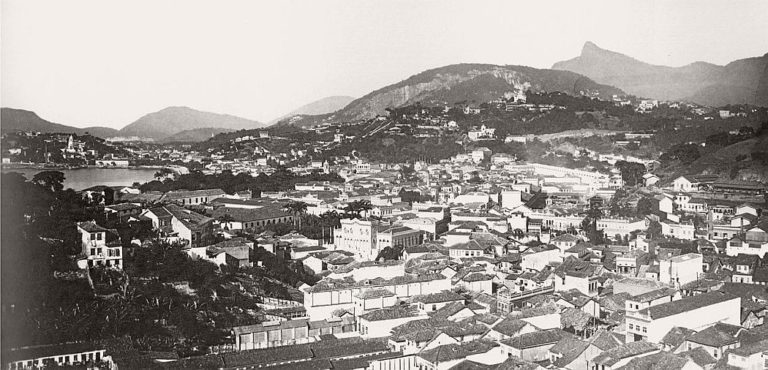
column 510, row 326
column 614, row 355
column 451, row 352
column 713, row 337
column 569, row 349
column 699, row 355
column 605, row 340
column 676, row 336
column 536, row 338
column 686, row 304
column 659, row 360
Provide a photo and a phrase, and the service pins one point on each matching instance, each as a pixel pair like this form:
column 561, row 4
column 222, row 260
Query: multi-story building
column 695, row 313
column 358, row 237
column 329, row 295
column 192, row 197
column 100, row 246
column 367, row 238
column 680, row 270
column 173, row 220
column 620, row 226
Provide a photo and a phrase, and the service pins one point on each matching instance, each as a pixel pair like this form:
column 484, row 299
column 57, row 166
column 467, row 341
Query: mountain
column 741, row 81
column 473, row 83
column 172, row 120
column 195, row 135
column 23, row 120
column 322, row 106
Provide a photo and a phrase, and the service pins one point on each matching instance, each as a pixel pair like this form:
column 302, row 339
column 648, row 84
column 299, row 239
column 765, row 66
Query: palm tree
column 296, row 208
column 225, row 219
column 357, row 207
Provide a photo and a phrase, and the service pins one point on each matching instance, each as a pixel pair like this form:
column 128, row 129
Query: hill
column 470, row 83
column 195, row 135
column 741, row 81
column 24, row 120
column 322, row 106
column 172, row 120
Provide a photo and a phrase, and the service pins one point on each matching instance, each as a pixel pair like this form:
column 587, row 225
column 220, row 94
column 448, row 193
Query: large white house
column 100, row 246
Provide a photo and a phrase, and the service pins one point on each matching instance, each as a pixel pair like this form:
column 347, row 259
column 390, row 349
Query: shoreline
column 48, row 167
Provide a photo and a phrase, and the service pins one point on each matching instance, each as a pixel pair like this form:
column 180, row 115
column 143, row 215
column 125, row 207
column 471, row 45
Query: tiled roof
column 375, row 293
column 569, row 349
column 653, row 295
column 449, row 310
column 676, row 336
column 699, row 355
column 451, row 352
column 390, row 314
column 180, row 194
column 91, row 227
column 713, row 337
column 470, row 245
column 440, row 297
column 510, row 326
column 250, row 214
column 536, row 338
column 605, row 340
column 660, row 360
column 614, row 355
column 686, row 304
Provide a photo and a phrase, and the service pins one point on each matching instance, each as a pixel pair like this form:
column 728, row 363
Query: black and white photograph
column 384, row 184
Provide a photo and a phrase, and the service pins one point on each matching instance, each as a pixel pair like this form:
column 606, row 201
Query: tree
column 589, row 225
column 631, row 172
column 645, row 206
column 225, row 220
column 391, row 253
column 654, row 229
column 296, row 208
column 356, row 208
column 52, row 181
column 164, row 173
column 685, row 153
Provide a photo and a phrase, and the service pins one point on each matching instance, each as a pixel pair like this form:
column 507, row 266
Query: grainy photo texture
column 384, row 184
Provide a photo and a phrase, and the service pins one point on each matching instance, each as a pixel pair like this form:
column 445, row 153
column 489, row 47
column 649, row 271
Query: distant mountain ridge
column 195, row 135
column 474, row 83
column 172, row 124
column 323, row 106
column 23, row 120
column 173, row 120
column 739, row 82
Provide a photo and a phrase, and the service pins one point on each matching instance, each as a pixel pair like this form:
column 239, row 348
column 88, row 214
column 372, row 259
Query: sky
column 107, row 63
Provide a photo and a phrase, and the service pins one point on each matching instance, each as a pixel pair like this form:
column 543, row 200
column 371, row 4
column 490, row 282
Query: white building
column 620, row 226
column 100, row 246
column 695, row 313
column 681, row 270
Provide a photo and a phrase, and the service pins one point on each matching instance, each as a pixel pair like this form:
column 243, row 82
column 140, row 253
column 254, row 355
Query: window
column 645, row 329
column 93, row 251
column 631, row 326
column 98, row 250
column 93, row 236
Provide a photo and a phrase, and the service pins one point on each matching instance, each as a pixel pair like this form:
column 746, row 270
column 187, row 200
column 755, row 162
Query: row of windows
column 638, row 327
column 60, row 359
column 96, row 236
column 110, row 252
column 250, row 225
column 196, row 200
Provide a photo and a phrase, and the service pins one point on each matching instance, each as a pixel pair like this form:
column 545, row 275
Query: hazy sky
column 107, row 63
